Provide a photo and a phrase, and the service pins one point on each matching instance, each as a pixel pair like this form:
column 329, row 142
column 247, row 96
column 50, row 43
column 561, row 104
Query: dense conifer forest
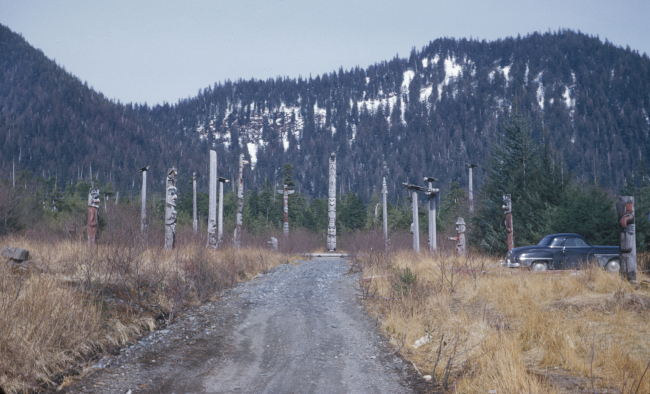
column 585, row 101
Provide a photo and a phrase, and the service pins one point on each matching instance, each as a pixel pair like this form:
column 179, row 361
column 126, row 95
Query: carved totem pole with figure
column 212, row 201
column 331, row 206
column 93, row 216
column 431, row 193
column 627, row 237
column 171, row 195
column 461, row 245
column 240, row 202
column 285, row 209
column 507, row 209
column 384, row 192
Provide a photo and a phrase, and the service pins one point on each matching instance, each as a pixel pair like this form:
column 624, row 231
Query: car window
column 575, row 242
column 550, row 241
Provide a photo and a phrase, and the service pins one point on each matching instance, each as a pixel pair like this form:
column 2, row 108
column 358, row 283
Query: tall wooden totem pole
column 471, row 188
column 331, row 206
column 93, row 215
column 212, row 202
column 384, row 193
column 627, row 237
column 240, row 201
column 171, row 195
column 220, row 211
column 285, row 209
column 507, row 209
column 461, row 243
column 431, row 196
column 143, row 196
column 195, row 222
column 415, row 226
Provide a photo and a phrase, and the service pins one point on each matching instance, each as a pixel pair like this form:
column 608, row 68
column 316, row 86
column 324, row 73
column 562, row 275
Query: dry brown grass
column 492, row 328
column 76, row 301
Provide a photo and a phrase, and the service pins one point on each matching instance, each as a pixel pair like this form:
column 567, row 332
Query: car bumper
column 510, row 264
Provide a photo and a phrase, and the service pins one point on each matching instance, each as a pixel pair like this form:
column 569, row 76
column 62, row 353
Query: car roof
column 564, row 235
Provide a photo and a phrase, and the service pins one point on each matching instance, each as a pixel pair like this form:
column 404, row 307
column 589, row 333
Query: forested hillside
column 425, row 115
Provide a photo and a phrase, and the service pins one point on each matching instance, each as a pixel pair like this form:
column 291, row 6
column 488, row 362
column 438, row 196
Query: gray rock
column 14, row 253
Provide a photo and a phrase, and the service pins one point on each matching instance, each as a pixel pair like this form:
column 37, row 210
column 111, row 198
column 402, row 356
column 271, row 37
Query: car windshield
column 546, row 241
column 550, row 241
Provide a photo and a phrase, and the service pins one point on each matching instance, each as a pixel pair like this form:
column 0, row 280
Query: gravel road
column 297, row 329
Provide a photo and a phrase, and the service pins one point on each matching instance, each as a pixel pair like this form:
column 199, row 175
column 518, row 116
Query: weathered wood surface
column 195, row 222
column 331, row 206
column 470, row 192
column 93, row 216
column 143, row 196
column 384, row 193
column 212, row 201
column 171, row 195
column 627, row 237
column 240, row 202
column 507, row 209
column 461, row 244
column 415, row 225
column 431, row 194
column 220, row 212
column 285, row 209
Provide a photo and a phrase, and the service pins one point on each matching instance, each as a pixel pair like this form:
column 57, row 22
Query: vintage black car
column 563, row 251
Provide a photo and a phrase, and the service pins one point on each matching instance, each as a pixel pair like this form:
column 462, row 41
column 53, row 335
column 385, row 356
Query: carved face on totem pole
column 460, row 225
column 170, row 200
column 93, row 198
column 507, row 204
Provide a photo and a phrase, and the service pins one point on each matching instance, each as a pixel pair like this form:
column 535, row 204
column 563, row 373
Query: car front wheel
column 613, row 266
column 538, row 266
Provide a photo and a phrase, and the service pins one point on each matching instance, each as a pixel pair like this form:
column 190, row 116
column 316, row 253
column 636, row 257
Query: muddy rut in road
column 297, row 329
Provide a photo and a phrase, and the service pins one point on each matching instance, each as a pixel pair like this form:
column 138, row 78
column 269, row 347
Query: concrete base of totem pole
column 334, row 255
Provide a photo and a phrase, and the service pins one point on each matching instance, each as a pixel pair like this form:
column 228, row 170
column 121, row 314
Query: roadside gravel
column 297, row 329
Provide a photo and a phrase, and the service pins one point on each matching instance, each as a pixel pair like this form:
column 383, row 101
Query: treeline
column 545, row 199
column 428, row 113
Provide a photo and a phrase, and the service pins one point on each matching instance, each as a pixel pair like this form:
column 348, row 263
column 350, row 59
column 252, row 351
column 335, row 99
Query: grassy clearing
column 482, row 327
column 76, row 301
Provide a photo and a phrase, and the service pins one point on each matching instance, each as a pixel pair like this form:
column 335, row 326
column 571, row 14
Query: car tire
column 613, row 266
column 538, row 266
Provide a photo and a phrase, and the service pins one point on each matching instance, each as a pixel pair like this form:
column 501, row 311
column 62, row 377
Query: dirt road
column 298, row 329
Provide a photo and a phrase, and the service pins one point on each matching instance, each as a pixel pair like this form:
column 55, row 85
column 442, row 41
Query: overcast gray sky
column 156, row 51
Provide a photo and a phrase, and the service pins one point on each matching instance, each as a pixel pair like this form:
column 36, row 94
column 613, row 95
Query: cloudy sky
column 163, row 51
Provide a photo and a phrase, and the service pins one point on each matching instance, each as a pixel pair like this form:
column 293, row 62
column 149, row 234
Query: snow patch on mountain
column 453, row 70
column 406, row 82
column 540, row 89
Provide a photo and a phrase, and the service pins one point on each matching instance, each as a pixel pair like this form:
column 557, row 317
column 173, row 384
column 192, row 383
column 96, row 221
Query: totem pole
column 220, row 222
column 93, row 216
column 507, row 209
column 384, row 193
column 212, row 202
column 195, row 223
column 415, row 226
column 431, row 195
column 471, row 189
column 331, row 206
column 285, row 226
column 461, row 245
column 170, row 208
column 240, row 201
column 627, row 237
column 143, row 195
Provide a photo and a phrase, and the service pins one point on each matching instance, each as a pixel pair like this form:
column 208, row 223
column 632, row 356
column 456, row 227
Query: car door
column 576, row 252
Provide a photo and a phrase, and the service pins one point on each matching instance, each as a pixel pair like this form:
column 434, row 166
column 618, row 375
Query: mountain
column 425, row 115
